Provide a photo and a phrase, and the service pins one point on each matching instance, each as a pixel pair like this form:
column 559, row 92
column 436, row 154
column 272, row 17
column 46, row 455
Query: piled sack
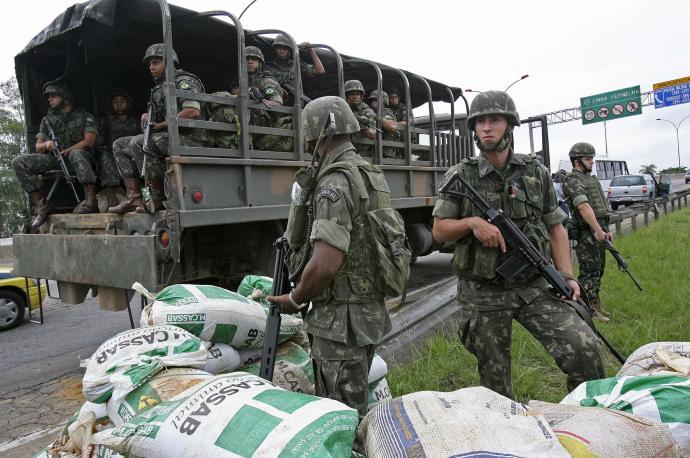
column 586, row 432
column 658, row 358
column 293, row 369
column 660, row 398
column 378, row 386
column 430, row 423
column 236, row 414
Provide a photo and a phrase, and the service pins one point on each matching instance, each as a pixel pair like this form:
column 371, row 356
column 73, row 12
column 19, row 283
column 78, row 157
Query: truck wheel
column 11, row 309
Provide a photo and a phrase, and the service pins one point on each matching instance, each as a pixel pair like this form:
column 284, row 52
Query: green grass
column 658, row 256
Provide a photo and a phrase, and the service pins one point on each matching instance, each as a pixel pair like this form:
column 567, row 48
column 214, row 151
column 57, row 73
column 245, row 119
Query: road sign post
column 673, row 92
column 611, row 105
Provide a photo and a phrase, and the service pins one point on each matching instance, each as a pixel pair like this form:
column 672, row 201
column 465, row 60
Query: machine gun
column 522, row 254
column 622, row 265
column 57, row 153
column 146, row 146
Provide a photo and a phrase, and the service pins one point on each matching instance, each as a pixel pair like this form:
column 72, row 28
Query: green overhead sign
column 611, row 105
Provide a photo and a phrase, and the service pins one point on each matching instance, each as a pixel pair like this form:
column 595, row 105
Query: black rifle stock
column 146, row 147
column 622, row 265
column 522, row 253
column 57, row 153
column 280, row 286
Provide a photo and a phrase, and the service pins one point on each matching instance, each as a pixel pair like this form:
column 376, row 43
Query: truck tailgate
column 109, row 260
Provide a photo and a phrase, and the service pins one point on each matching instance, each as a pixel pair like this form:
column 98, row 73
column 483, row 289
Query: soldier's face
column 54, row 101
column 281, row 52
column 253, row 64
column 374, row 103
column 353, row 98
column 490, row 130
column 394, row 100
column 156, row 67
column 119, row 104
column 587, row 163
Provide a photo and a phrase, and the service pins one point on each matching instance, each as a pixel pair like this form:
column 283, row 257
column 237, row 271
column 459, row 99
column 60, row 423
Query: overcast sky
column 569, row 49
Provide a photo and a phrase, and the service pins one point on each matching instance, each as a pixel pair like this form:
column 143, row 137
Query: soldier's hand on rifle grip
column 50, row 146
column 284, row 303
column 600, row 235
column 575, row 286
column 489, row 235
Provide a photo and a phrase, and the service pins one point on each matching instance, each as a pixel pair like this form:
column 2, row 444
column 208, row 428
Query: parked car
column 15, row 297
column 687, row 177
column 628, row 189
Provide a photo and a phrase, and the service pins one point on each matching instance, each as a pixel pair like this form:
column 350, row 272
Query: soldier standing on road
column 388, row 124
column 354, row 95
column 589, row 223
column 76, row 131
column 521, row 187
column 128, row 151
column 348, row 316
column 281, row 67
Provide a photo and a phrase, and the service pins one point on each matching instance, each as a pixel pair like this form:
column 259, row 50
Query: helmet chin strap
column 506, row 141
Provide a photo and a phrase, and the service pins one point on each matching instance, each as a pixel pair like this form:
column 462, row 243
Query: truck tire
column 12, row 307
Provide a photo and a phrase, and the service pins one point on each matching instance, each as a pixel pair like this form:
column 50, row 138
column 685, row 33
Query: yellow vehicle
column 15, row 293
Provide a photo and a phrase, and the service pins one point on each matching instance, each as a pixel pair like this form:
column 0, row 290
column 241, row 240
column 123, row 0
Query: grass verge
column 658, row 257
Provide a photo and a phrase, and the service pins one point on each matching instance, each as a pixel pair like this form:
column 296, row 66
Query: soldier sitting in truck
column 354, row 94
column 129, row 152
column 76, row 132
column 390, row 128
column 281, row 67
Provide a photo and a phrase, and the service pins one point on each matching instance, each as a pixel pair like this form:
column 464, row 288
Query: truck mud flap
column 109, row 260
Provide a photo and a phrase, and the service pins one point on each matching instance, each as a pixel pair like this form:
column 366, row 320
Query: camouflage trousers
column 342, row 372
column 110, row 176
column 591, row 258
column 29, row 167
column 569, row 341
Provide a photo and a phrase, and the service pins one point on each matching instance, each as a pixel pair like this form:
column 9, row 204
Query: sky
column 569, row 50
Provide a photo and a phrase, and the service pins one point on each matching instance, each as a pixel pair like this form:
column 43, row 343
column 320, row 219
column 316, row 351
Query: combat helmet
column 282, row 40
column 119, row 92
column 375, row 95
column 581, row 149
column 493, row 103
column 354, row 85
column 62, row 91
column 316, row 113
column 158, row 50
column 253, row 51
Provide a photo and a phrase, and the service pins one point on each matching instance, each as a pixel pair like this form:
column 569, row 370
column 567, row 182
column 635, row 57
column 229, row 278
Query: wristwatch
column 294, row 302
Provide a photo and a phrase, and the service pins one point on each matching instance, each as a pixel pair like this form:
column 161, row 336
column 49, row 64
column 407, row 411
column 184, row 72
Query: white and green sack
column 237, row 414
column 129, row 359
column 293, row 369
column 256, row 287
column 661, row 398
column 378, row 392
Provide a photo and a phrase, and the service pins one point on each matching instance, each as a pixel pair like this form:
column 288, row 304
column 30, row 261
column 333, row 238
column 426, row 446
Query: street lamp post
column 677, row 136
column 506, row 89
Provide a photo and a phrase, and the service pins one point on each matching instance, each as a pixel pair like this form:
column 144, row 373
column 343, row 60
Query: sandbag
column 293, row 369
column 132, row 357
column 378, row 369
column 214, row 314
column 645, row 359
column 465, row 421
column 221, row 358
column 378, row 392
column 587, row 432
column 256, row 287
column 661, row 398
column 237, row 414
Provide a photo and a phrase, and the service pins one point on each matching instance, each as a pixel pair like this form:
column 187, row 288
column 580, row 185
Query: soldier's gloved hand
column 255, row 94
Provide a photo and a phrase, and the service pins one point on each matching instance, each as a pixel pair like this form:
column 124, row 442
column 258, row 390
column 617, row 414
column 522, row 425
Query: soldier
column 128, row 151
column 354, row 95
column 589, row 223
column 399, row 109
column 281, row 65
column 348, row 316
column 76, row 131
column 120, row 122
column 520, row 186
column 388, row 123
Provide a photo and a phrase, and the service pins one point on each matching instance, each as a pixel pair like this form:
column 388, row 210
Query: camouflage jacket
column 185, row 81
column 69, row 128
column 401, row 113
column 284, row 73
column 350, row 309
column 524, row 192
column 388, row 114
column 268, row 85
column 580, row 187
column 112, row 128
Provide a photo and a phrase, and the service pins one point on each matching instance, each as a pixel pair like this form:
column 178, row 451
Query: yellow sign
column 675, row 82
column 147, row 401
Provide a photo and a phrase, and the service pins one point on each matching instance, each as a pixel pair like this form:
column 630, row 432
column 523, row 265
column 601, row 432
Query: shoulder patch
column 329, row 192
column 184, row 84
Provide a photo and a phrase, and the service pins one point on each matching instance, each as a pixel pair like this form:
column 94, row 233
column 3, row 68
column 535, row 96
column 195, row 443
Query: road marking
column 28, row 438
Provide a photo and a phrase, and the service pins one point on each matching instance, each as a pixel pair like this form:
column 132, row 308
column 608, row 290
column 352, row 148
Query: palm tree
column 648, row 169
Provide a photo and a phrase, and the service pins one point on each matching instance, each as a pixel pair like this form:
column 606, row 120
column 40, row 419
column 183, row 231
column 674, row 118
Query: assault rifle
column 146, row 146
column 364, row 121
column 291, row 90
column 522, row 254
column 61, row 160
column 281, row 285
column 622, row 265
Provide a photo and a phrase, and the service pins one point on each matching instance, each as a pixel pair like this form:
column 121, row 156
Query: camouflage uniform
column 582, row 187
column 114, row 128
column 70, row 129
column 283, row 71
column 488, row 304
column 363, row 110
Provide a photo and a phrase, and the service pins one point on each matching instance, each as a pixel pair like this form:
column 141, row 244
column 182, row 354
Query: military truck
column 224, row 206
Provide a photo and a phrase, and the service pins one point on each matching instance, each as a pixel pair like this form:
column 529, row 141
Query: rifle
column 280, row 286
column 622, row 265
column 146, row 146
column 363, row 120
column 291, row 90
column 61, row 160
column 523, row 254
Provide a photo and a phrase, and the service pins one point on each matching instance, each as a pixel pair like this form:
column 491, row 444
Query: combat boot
column 157, row 193
column 90, row 203
column 43, row 209
column 598, row 310
column 133, row 198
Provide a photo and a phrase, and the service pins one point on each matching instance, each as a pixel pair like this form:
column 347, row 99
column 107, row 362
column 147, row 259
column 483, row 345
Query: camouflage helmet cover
column 375, row 95
column 493, row 103
column 158, row 50
column 395, row 91
column 353, row 85
column 119, row 92
column 316, row 113
column 253, row 51
column 582, row 149
column 62, row 91
column 282, row 40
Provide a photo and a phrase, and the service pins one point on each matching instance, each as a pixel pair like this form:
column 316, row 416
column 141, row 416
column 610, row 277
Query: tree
column 12, row 144
column 648, row 169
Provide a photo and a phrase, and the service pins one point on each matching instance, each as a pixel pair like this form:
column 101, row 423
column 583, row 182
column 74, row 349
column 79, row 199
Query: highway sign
column 611, row 105
column 672, row 92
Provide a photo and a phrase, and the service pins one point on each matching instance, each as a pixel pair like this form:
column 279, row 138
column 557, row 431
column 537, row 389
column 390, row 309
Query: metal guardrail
column 655, row 208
